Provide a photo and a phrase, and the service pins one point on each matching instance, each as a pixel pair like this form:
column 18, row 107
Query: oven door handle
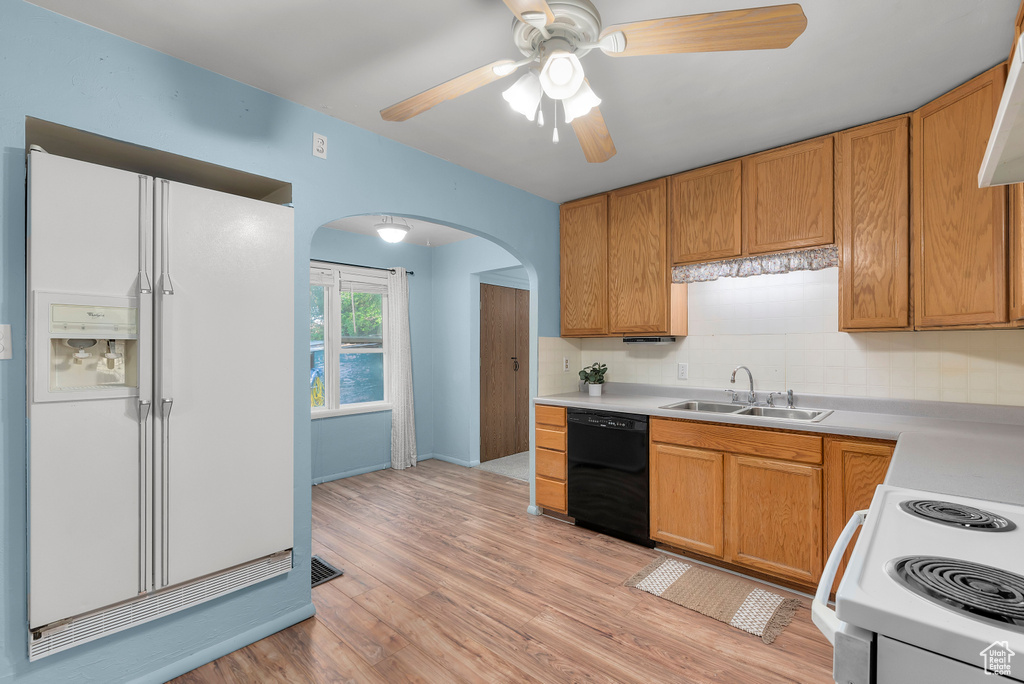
column 824, row 617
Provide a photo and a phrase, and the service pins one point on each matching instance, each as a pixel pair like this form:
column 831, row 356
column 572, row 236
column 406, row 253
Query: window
column 347, row 339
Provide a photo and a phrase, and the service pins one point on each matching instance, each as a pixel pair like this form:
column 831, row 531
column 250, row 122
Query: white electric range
column 934, row 591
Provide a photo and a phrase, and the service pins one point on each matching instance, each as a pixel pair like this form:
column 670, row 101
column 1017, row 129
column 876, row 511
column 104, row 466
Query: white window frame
column 331, row 276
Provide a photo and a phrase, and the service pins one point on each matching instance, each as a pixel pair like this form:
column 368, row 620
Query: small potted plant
column 593, row 375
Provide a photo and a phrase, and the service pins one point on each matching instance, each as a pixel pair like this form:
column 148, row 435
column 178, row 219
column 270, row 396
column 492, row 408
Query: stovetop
column 939, row 572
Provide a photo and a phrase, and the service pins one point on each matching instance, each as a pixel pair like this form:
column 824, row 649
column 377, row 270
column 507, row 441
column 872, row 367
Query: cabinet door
column 704, row 216
column 872, row 212
column 638, row 269
column 774, row 521
column 787, row 197
column 584, row 262
column 853, row 469
column 959, row 230
column 1016, row 251
column 686, row 498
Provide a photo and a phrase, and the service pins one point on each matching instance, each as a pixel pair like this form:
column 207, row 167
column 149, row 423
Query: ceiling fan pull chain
column 554, row 135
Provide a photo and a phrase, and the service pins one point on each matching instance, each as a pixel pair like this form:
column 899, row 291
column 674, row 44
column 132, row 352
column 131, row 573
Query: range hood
column 1004, row 157
column 649, row 340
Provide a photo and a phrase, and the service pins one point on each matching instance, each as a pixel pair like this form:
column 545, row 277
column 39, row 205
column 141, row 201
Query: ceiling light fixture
column 580, row 103
column 561, row 75
column 389, row 231
column 524, row 95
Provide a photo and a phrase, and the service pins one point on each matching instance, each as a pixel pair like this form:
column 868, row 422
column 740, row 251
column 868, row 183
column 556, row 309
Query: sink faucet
column 751, row 397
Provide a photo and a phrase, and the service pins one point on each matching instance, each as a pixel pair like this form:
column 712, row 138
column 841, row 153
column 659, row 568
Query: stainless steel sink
column 812, row 415
column 705, row 406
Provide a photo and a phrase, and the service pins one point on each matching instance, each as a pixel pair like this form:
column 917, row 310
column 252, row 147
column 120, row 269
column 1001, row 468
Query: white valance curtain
column 403, row 417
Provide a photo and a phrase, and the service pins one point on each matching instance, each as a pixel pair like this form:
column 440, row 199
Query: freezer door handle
column 166, row 286
column 166, row 405
column 144, row 407
column 145, row 229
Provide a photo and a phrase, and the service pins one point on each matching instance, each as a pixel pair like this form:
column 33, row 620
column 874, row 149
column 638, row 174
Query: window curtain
column 403, row 417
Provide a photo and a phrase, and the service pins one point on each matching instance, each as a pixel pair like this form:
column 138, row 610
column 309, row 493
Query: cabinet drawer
column 551, row 464
column 550, row 415
column 783, row 445
column 551, row 494
column 549, row 438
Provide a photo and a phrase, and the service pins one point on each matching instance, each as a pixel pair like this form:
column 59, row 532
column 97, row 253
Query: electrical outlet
column 565, row 364
column 682, row 371
column 5, row 341
column 319, row 146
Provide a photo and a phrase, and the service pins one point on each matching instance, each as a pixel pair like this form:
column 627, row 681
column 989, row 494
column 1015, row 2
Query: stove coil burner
column 957, row 515
column 979, row 591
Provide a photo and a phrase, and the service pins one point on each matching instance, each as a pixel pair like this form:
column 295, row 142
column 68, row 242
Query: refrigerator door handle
column 166, row 285
column 166, row 405
column 144, row 407
column 145, row 228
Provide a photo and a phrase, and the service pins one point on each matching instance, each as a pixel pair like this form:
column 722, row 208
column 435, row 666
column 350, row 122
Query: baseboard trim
column 208, row 655
column 350, row 473
column 464, row 462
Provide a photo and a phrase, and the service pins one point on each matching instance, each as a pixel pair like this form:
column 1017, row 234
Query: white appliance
column 1004, row 157
column 934, row 591
column 161, row 391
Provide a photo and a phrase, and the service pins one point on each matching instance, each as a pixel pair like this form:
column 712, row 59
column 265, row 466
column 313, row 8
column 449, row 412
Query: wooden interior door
column 504, row 371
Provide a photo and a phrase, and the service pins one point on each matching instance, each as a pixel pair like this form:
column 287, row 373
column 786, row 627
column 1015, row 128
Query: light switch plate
column 682, row 371
column 5, row 341
column 319, row 146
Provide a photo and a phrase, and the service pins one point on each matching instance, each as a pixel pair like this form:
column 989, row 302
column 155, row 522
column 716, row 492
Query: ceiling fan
column 553, row 37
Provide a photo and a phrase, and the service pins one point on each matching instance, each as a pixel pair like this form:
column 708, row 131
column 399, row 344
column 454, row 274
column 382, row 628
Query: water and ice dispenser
column 91, row 347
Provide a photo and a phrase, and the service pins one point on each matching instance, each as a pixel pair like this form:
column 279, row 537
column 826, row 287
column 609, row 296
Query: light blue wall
column 58, row 70
column 350, row 445
column 457, row 269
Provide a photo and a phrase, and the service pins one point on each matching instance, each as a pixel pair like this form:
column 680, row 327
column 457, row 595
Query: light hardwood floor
column 448, row 579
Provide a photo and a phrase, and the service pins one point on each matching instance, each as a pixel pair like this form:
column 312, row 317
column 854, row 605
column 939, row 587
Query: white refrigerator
column 161, row 392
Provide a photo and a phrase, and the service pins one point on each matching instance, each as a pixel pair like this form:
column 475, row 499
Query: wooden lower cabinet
column 550, row 459
column 853, row 469
column 774, row 517
column 687, row 490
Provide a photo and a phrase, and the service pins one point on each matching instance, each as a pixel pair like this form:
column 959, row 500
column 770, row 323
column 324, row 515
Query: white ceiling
column 422, row 233
column 858, row 61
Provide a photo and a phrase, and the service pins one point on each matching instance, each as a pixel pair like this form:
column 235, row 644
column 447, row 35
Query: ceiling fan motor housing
column 576, row 22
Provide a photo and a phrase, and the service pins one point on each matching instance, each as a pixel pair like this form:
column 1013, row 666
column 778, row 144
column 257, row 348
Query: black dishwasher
column 608, row 473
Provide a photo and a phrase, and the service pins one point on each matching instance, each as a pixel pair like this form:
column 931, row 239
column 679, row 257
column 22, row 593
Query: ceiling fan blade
column 518, row 7
column 449, row 90
column 594, row 138
column 758, row 28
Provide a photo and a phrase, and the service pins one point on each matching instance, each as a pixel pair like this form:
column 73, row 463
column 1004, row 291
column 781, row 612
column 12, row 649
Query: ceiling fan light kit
column 555, row 36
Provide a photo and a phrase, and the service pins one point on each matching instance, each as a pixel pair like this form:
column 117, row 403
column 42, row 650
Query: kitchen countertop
column 959, row 449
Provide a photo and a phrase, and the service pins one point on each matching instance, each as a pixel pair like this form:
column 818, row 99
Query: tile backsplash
column 785, row 329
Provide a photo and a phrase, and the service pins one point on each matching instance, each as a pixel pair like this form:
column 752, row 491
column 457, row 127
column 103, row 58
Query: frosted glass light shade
column 392, row 233
column 524, row 95
column 562, row 75
column 580, row 103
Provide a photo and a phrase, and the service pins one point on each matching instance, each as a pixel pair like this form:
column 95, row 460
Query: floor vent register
column 322, row 571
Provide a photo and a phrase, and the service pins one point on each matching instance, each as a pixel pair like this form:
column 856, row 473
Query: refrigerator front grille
column 80, row 630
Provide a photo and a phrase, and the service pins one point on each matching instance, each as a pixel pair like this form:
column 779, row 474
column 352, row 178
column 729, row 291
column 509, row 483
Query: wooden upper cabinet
column 958, row 230
column 638, row 268
column 704, row 217
column 853, row 469
column 687, row 489
column 1016, row 251
column 872, row 215
column 774, row 520
column 787, row 197
column 584, row 264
